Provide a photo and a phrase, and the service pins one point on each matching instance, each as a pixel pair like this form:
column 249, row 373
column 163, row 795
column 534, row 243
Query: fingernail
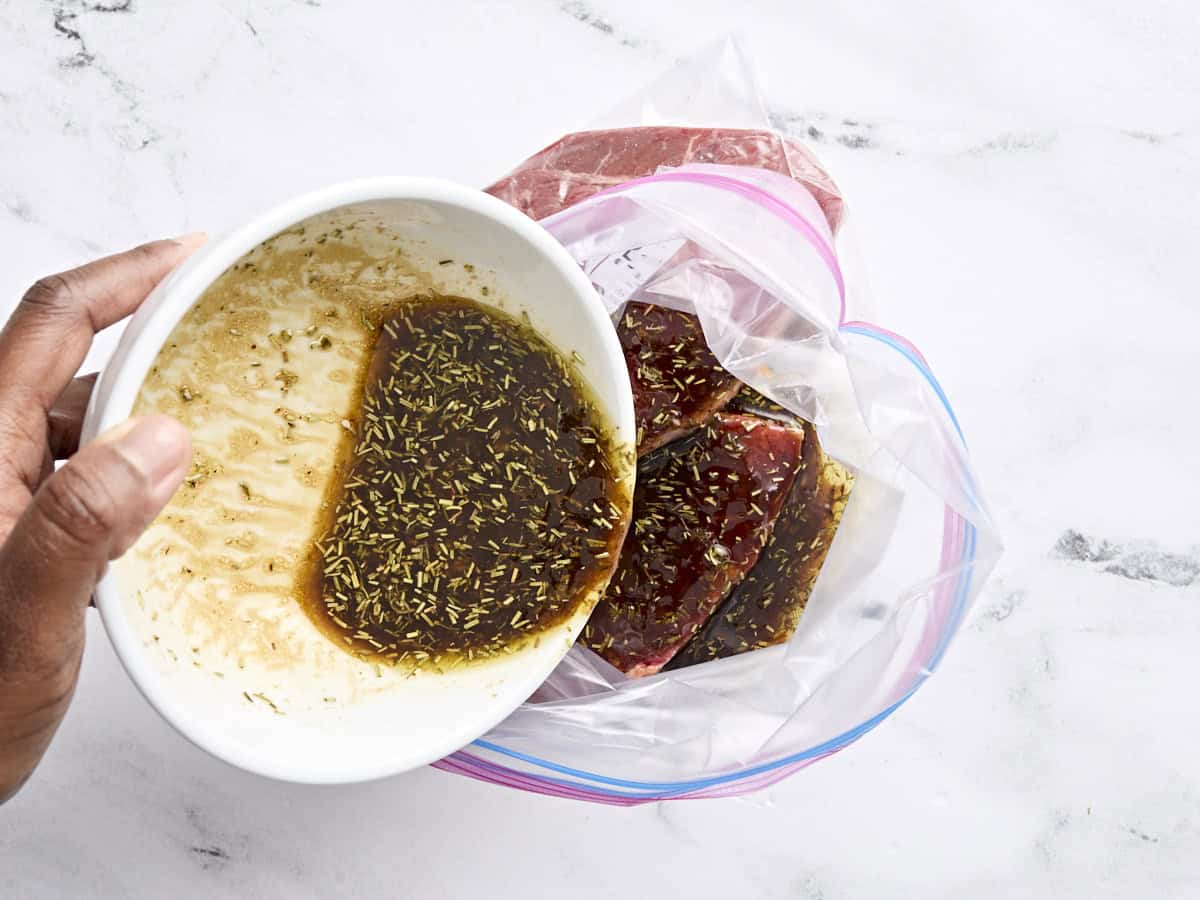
column 191, row 241
column 157, row 446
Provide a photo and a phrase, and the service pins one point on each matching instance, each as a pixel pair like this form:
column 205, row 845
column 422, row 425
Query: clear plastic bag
column 752, row 253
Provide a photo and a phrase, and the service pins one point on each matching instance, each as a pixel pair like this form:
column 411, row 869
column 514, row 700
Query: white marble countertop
column 1019, row 173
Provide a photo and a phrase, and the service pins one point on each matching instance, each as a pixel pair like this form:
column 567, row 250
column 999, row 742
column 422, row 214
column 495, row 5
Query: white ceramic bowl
column 418, row 720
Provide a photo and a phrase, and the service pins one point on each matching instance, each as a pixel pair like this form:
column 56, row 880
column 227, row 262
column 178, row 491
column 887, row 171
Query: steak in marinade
column 677, row 383
column 703, row 509
column 765, row 607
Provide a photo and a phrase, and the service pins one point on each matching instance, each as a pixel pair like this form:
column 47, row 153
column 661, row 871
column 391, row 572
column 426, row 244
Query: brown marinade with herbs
column 477, row 504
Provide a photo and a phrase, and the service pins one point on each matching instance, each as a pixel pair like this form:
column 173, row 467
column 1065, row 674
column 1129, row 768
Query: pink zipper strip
column 898, row 338
column 754, row 194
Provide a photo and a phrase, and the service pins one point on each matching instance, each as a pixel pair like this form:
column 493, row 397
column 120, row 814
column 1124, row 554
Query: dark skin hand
column 59, row 530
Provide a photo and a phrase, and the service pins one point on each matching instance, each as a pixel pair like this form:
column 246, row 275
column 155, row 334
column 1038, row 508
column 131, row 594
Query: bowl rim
column 121, row 379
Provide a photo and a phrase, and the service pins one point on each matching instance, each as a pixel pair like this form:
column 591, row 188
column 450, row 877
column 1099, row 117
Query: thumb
column 93, row 509
column 84, row 515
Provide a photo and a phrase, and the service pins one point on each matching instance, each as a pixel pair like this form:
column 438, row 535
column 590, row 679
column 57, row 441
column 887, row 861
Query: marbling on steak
column 586, row 162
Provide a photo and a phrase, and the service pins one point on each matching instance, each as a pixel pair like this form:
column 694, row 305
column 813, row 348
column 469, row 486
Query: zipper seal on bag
column 746, row 190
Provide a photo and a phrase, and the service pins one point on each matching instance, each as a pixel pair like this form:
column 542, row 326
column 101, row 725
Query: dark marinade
column 477, row 504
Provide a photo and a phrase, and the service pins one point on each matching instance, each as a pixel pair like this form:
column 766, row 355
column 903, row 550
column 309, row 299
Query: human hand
column 59, row 530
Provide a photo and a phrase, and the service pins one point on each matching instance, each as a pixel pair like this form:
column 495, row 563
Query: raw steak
column 764, row 608
column 583, row 163
column 703, row 509
column 678, row 384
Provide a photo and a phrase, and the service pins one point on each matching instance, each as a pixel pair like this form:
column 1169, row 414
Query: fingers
column 49, row 334
column 66, row 418
column 86, row 514
column 30, row 442
column 93, row 508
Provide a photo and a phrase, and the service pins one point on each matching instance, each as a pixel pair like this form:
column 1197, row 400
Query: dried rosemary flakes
column 477, row 504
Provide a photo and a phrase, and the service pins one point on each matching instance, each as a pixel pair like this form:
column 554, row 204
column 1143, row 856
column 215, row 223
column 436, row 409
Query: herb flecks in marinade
column 702, row 511
column 765, row 607
column 478, row 505
column 678, row 385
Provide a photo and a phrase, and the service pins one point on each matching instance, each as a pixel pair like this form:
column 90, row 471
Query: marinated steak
column 703, row 510
column 678, row 384
column 765, row 607
column 586, row 162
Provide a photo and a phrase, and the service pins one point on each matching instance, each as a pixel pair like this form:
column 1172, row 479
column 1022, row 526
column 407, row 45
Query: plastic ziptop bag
column 752, row 254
